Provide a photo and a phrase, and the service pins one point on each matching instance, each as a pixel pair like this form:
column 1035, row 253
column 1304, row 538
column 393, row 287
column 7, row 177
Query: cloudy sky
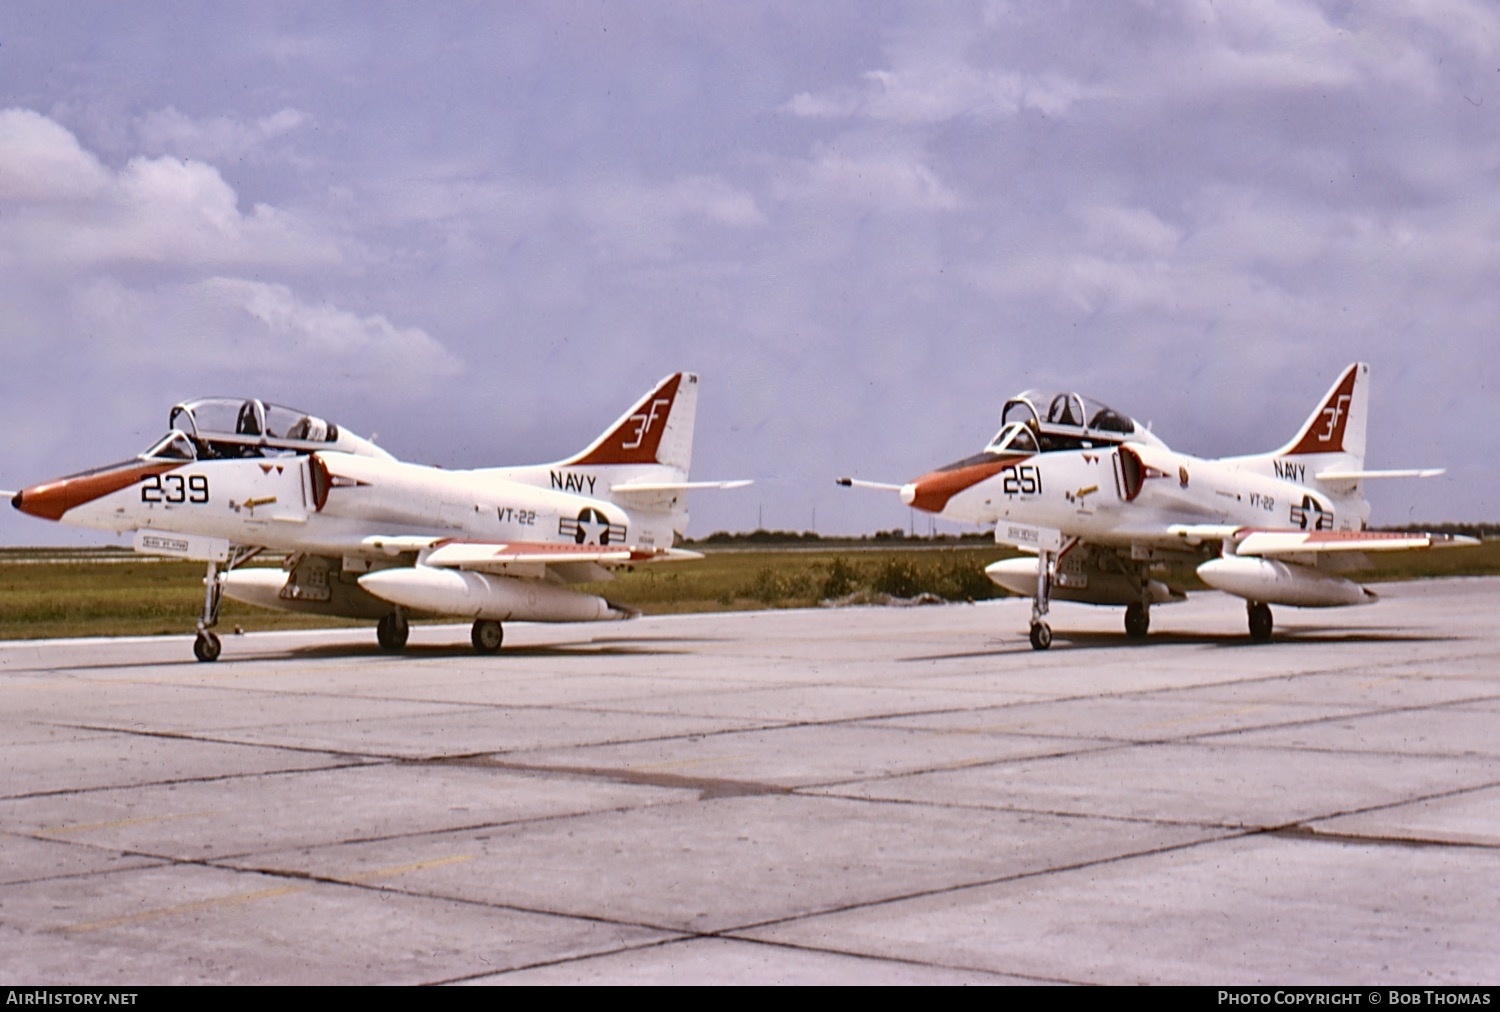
column 479, row 231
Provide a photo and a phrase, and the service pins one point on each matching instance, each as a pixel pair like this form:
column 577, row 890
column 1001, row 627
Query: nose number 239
column 174, row 488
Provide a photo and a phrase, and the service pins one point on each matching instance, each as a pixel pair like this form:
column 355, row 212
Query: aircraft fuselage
column 328, row 502
column 1119, row 495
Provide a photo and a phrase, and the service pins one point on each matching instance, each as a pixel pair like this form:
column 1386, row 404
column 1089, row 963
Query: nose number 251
column 1021, row 479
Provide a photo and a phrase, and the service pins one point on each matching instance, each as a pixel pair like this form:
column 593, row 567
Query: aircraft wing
column 526, row 560
column 1270, row 543
column 502, row 557
column 1274, row 543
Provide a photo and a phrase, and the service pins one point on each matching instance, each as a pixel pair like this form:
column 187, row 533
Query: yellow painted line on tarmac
column 405, row 869
column 685, row 764
column 255, row 896
column 963, row 764
column 184, row 908
column 985, row 729
column 91, row 827
column 1198, row 718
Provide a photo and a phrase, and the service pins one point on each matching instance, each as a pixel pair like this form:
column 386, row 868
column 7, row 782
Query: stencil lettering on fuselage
column 578, row 484
column 1289, row 471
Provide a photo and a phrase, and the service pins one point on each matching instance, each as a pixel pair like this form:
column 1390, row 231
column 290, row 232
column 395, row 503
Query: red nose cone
column 48, row 501
column 51, row 499
column 932, row 491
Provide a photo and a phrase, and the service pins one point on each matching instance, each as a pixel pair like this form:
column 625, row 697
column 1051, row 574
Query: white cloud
column 653, row 219
column 891, row 179
column 241, row 330
column 66, row 209
column 220, row 138
column 42, row 163
column 940, row 90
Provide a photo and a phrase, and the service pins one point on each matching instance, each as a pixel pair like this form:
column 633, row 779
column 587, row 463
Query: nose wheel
column 206, row 646
column 1041, row 636
column 1041, row 632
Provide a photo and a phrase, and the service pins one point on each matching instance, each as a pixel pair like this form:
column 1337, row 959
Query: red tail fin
column 1323, row 432
column 636, row 437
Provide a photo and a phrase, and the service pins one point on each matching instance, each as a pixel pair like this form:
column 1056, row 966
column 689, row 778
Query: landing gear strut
column 391, row 631
column 487, row 635
column 206, row 644
column 1260, row 621
column 1041, row 632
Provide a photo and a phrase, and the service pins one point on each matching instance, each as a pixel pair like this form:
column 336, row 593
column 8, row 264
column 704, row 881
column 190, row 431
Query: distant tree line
column 1484, row 530
column 764, row 538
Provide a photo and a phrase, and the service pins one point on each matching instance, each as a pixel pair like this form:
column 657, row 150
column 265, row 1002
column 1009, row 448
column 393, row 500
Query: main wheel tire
column 1137, row 621
column 1260, row 622
column 206, row 647
column 487, row 635
column 1041, row 636
column 391, row 631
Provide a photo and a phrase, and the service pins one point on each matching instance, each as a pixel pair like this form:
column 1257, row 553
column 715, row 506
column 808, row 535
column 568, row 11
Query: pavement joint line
column 214, row 778
column 1238, row 828
column 853, row 953
column 256, row 895
column 986, row 883
column 709, row 787
column 1306, row 832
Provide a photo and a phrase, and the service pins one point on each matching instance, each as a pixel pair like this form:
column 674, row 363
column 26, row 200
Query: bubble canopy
column 1046, row 420
column 212, row 427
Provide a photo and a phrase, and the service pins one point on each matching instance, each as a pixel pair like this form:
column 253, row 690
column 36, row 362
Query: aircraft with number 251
column 1108, row 514
column 368, row 536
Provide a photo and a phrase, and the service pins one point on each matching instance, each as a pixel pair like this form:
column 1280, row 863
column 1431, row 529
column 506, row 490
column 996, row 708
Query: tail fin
column 1328, row 451
column 1334, row 433
column 656, row 431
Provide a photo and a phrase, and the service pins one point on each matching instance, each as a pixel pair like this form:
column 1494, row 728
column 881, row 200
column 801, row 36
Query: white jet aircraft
column 368, row 536
column 1110, row 515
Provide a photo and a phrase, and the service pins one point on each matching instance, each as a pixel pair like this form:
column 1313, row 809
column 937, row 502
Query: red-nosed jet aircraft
column 1109, row 515
column 368, row 536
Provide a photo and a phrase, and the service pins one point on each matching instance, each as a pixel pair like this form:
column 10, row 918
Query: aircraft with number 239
column 1108, row 514
column 369, row 536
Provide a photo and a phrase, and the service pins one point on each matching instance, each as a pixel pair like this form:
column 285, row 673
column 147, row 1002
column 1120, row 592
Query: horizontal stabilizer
column 1410, row 472
column 679, row 486
column 661, row 495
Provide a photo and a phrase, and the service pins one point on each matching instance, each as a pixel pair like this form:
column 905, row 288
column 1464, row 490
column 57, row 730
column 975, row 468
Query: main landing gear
column 1138, row 620
column 1260, row 621
column 487, row 635
column 206, row 645
column 392, row 630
